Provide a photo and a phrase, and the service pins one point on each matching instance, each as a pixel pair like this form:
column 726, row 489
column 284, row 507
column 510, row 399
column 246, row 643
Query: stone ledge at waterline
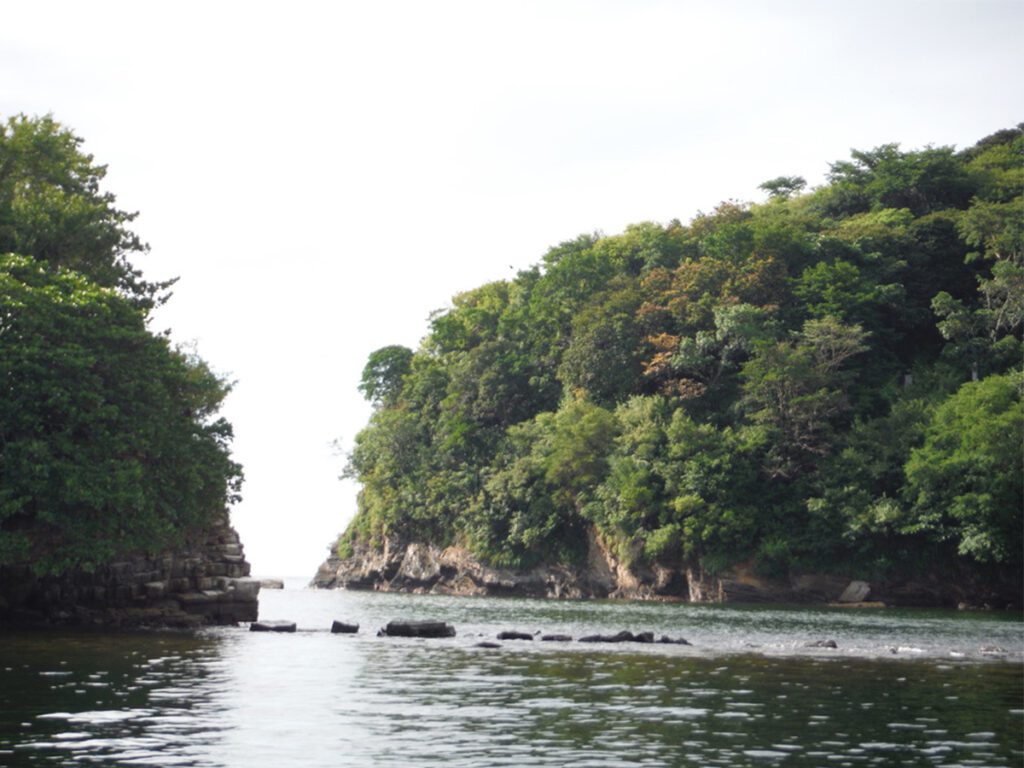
column 423, row 568
column 202, row 584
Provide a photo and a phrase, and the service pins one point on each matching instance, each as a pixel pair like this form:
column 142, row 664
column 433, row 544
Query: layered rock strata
column 204, row 583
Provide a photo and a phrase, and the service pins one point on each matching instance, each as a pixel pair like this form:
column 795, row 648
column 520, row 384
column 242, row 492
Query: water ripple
column 234, row 698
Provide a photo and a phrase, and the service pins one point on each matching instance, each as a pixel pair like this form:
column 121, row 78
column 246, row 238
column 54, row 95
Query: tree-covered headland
column 827, row 380
column 109, row 440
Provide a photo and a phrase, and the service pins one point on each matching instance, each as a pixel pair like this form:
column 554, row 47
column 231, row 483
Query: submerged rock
column 666, row 640
column 272, row 626
column 821, row 644
column 487, row 644
column 403, row 628
column 862, row 604
column 271, row 584
column 556, row 638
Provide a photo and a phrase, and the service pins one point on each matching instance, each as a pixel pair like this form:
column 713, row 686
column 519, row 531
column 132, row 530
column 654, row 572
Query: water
column 747, row 692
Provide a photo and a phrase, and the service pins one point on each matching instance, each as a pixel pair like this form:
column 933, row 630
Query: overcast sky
column 321, row 176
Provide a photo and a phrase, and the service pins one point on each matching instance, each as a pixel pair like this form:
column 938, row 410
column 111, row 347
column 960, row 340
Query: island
column 816, row 397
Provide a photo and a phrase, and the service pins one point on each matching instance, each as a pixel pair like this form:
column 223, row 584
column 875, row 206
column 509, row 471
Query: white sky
column 322, row 176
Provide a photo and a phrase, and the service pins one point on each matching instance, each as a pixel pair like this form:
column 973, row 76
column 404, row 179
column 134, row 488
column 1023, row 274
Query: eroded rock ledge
column 424, row 568
column 204, row 583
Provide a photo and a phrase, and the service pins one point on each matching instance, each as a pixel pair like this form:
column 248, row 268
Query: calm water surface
column 902, row 688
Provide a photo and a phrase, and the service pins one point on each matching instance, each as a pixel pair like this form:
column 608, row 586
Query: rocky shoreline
column 204, row 583
column 423, row 568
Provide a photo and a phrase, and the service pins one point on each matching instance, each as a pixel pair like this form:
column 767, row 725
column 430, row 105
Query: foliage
column 784, row 186
column 775, row 382
column 964, row 483
column 381, row 381
column 108, row 438
column 53, row 209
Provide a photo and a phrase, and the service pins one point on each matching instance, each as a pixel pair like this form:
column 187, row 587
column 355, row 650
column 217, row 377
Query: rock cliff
column 420, row 567
column 205, row 582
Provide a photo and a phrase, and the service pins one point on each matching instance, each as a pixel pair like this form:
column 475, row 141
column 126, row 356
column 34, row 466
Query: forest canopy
column 109, row 440
column 827, row 379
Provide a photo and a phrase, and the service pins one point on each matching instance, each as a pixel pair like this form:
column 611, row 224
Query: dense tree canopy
column 826, row 378
column 109, row 440
column 53, row 209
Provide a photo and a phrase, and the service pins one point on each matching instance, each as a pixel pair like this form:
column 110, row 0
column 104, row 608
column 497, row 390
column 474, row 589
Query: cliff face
column 205, row 583
column 424, row 568
column 419, row 567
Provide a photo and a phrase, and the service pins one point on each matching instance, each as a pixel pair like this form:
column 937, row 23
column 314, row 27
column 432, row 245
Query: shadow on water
column 106, row 698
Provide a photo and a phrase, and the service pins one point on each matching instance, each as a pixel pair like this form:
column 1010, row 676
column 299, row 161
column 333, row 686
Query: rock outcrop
column 424, row 568
column 206, row 582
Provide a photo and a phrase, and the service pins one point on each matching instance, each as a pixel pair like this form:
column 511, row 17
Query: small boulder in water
column 343, row 628
column 618, row 637
column 272, row 626
column 625, row 636
column 487, row 644
column 403, row 628
column 512, row 635
column 556, row 638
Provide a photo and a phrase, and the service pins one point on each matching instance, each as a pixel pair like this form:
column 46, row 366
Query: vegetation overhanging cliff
column 110, row 447
column 827, row 381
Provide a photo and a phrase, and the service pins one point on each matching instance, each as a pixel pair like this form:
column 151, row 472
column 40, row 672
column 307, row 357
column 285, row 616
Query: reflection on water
column 235, row 698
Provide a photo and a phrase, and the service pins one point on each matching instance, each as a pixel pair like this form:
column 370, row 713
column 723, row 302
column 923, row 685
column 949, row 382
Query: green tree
column 381, row 382
column 531, row 504
column 109, row 441
column 923, row 181
column 602, row 358
column 709, row 359
column 964, row 483
column 711, row 481
column 630, row 505
column 784, row 186
column 52, row 208
column 796, row 389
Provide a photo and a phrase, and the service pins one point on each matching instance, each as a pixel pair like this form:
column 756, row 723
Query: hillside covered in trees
column 828, row 380
column 109, row 441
